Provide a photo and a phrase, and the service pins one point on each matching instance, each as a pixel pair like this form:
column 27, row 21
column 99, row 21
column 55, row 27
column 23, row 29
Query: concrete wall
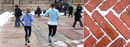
column 5, row 5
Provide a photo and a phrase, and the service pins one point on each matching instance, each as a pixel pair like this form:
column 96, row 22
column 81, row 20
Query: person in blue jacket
column 53, row 15
column 27, row 18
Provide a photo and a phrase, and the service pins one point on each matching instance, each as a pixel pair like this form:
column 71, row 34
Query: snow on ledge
column 80, row 45
column 4, row 17
column 60, row 44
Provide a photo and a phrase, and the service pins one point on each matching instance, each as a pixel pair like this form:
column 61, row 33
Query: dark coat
column 65, row 8
column 80, row 8
column 78, row 14
column 18, row 12
column 70, row 10
column 38, row 10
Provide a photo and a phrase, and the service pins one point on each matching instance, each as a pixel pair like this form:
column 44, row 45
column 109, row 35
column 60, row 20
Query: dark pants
column 52, row 30
column 18, row 21
column 27, row 32
column 64, row 13
column 70, row 14
column 38, row 15
column 81, row 24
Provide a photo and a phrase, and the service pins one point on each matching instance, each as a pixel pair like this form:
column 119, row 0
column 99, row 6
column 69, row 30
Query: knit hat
column 16, row 5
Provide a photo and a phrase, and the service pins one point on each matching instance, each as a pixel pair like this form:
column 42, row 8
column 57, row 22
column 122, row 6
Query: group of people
column 77, row 15
column 53, row 15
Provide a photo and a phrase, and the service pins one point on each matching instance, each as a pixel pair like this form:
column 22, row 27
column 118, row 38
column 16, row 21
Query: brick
column 120, row 6
column 128, row 45
column 128, row 9
column 86, row 32
column 104, row 25
column 71, row 34
column 85, row 1
column 103, row 42
column 118, row 43
column 107, row 4
column 126, row 18
column 118, row 25
column 89, row 42
column 93, row 4
column 92, row 26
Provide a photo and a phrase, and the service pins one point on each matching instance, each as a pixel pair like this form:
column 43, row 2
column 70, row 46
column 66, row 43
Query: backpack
column 20, row 12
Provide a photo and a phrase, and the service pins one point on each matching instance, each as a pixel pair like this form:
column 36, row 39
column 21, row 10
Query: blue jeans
column 64, row 12
column 18, row 21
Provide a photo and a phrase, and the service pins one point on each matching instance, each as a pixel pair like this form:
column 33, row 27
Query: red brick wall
column 107, row 23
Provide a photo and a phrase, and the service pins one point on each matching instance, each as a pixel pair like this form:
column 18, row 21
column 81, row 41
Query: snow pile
column 60, row 44
column 80, row 45
column 4, row 17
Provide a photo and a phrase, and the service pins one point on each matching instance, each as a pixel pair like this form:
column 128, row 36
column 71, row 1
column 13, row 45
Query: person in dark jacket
column 18, row 13
column 78, row 17
column 38, row 11
column 80, row 8
column 70, row 11
column 64, row 9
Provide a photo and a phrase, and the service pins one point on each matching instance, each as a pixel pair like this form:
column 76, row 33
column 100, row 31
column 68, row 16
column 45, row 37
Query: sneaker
column 73, row 26
column 50, row 44
column 26, row 42
column 49, row 39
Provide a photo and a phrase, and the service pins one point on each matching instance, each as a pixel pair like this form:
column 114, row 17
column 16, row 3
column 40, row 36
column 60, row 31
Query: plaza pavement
column 11, row 36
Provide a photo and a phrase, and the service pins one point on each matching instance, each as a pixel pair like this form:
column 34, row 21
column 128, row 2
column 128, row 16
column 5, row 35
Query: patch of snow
column 33, row 13
column 4, row 17
column 61, row 13
column 60, row 44
column 80, row 45
column 75, row 41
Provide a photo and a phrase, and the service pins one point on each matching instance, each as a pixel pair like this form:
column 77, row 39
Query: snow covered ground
column 4, row 17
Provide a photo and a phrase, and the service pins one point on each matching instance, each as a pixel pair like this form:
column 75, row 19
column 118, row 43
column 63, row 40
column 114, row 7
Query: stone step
column 42, row 29
column 37, row 1
column 34, row 6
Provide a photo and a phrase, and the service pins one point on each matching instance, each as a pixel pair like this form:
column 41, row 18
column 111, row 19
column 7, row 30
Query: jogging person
column 53, row 15
column 27, row 18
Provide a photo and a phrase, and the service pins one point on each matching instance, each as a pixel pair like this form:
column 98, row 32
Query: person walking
column 53, row 15
column 80, row 8
column 70, row 11
column 18, row 13
column 64, row 9
column 78, row 17
column 62, row 2
column 38, row 11
column 27, row 18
